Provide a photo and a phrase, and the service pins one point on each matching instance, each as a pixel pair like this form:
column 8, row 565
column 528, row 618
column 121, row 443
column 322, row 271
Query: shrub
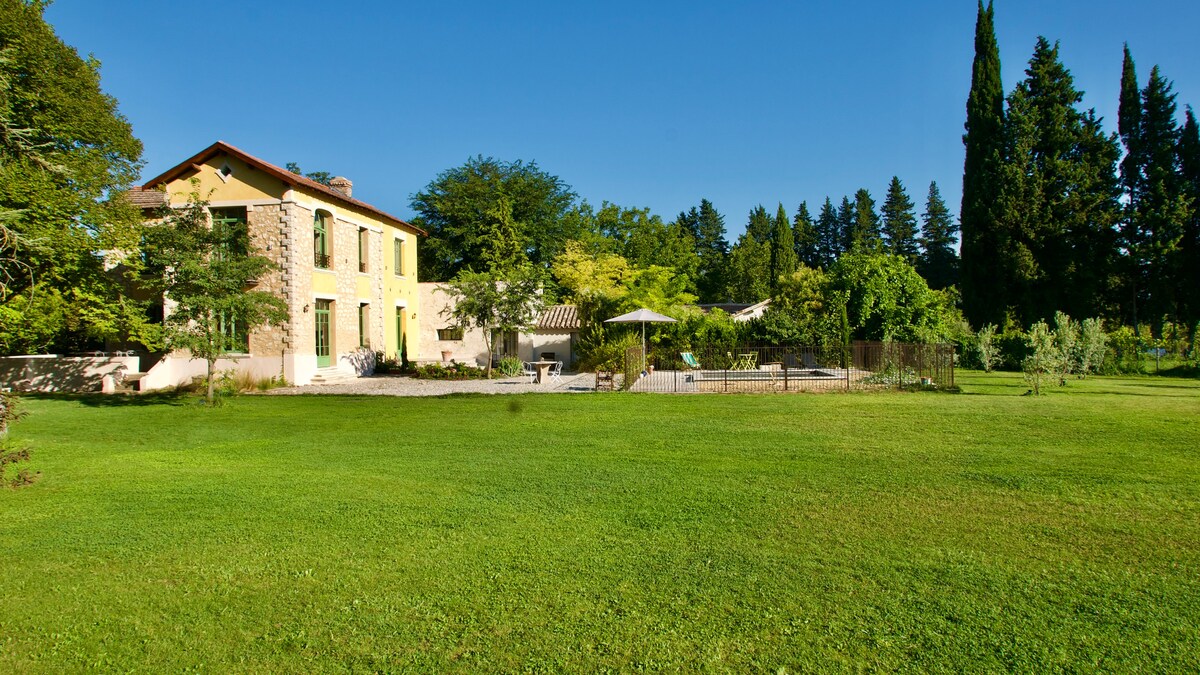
column 387, row 365
column 1124, row 355
column 1042, row 358
column 510, row 366
column 986, row 350
column 1092, row 347
column 452, row 371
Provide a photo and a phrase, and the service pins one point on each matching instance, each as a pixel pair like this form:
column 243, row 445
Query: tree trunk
column 211, row 383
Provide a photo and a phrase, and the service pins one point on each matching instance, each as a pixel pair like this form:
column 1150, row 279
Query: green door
column 323, row 334
column 401, row 330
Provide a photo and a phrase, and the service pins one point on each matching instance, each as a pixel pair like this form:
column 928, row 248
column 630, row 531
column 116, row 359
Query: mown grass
column 981, row 531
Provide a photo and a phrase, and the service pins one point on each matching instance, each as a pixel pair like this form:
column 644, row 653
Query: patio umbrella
column 642, row 316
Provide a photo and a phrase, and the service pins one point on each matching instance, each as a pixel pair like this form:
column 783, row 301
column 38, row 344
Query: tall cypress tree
column 783, row 249
column 1129, row 124
column 983, row 301
column 899, row 222
column 938, row 262
column 829, row 235
column 804, row 234
column 1189, row 166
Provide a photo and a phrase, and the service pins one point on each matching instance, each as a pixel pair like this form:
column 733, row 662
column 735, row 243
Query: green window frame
column 233, row 332
column 398, row 257
column 362, row 325
column 450, row 334
column 229, row 224
column 321, row 257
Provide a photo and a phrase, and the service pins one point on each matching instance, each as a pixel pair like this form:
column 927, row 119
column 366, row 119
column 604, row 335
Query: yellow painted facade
column 366, row 298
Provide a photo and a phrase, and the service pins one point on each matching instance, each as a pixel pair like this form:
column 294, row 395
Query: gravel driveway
column 394, row 385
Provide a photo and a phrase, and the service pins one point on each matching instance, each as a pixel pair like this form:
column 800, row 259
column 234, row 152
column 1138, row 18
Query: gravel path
column 392, row 385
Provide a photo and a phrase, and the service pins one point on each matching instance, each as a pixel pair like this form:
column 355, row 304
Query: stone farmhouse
column 347, row 270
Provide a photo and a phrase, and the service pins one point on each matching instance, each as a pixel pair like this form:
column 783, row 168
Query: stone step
column 332, row 376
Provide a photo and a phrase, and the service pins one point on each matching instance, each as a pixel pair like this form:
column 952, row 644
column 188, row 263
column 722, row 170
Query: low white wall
column 54, row 373
column 175, row 370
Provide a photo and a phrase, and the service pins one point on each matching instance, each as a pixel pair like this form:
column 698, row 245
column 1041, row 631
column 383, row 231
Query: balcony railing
column 322, row 260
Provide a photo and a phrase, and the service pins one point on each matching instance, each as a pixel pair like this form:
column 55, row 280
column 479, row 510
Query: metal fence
column 757, row 368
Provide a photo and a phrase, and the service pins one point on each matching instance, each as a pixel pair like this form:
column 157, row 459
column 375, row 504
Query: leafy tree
column 804, row 235
column 495, row 301
column 1042, row 358
column 500, row 231
column 899, row 222
column 454, row 209
column 988, row 352
column 1066, row 341
column 829, row 235
column 984, row 139
column 749, row 267
column 864, row 234
column 595, row 282
column 206, row 273
column 885, row 298
column 322, row 177
column 938, row 262
column 65, row 152
column 783, row 250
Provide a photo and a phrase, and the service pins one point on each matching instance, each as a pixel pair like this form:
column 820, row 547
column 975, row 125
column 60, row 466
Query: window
column 455, row 333
column 362, row 249
column 363, row 325
column 398, row 257
column 229, row 224
column 233, row 333
column 321, row 240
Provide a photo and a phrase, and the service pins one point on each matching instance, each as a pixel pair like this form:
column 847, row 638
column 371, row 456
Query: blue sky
column 649, row 104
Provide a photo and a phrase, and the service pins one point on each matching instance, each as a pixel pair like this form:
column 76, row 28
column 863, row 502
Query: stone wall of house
column 379, row 315
column 345, row 265
column 270, row 236
column 298, row 270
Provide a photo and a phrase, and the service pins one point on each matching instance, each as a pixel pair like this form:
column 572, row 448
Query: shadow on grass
column 176, row 398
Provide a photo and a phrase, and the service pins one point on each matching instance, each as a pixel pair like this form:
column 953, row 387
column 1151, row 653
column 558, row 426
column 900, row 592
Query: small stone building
column 347, row 270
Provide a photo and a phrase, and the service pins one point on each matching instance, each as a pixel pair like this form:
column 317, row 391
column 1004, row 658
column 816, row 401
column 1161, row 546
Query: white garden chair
column 556, row 372
column 529, row 369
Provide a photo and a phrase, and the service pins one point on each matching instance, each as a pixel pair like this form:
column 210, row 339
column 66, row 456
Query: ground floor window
column 323, row 315
column 363, row 325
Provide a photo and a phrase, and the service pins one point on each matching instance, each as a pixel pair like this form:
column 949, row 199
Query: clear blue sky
column 650, row 104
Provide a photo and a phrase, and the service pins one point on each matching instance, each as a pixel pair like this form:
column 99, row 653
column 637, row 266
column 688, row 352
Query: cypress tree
column 982, row 300
column 1189, row 165
column 804, row 234
column 829, row 235
column 899, row 222
column 938, row 262
column 1129, row 121
column 783, row 249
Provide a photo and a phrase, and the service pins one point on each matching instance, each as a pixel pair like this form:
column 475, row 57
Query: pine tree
column 783, row 249
column 938, row 262
column 1068, row 228
column 982, row 301
column 1161, row 207
column 707, row 228
column 804, row 234
column 846, row 217
column 760, row 225
column 864, row 229
column 829, row 235
column 899, row 222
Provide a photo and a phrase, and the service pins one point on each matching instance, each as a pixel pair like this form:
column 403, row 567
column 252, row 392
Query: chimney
column 342, row 185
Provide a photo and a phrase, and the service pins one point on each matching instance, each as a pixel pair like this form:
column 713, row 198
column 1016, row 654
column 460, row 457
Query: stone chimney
column 342, row 185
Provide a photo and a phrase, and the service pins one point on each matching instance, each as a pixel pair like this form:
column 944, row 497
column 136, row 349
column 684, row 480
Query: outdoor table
column 543, row 370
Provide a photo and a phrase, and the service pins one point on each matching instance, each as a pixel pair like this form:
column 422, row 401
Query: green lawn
column 979, row 531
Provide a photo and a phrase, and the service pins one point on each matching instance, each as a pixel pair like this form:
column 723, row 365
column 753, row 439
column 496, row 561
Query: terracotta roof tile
column 559, row 317
column 146, row 199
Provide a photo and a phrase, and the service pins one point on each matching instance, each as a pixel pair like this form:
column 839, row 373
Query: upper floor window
column 398, row 257
column 229, row 224
column 363, row 251
column 321, row 240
